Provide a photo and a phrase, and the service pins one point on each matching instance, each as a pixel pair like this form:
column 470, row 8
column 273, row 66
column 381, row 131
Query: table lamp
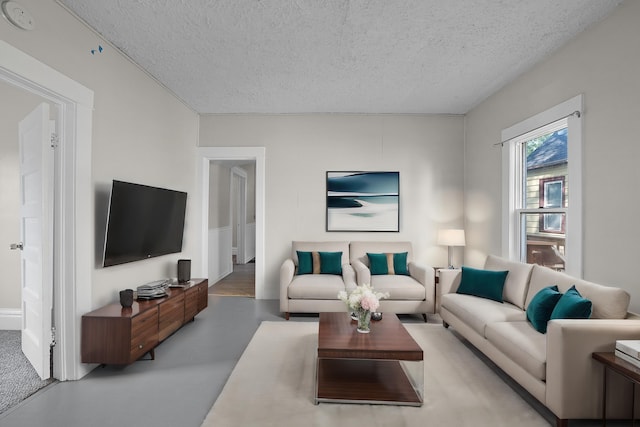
column 449, row 238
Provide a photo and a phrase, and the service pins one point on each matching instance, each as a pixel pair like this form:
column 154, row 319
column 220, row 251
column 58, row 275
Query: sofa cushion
column 482, row 283
column 315, row 286
column 607, row 302
column 517, row 282
column 541, row 306
column 522, row 344
column 572, row 306
column 388, row 263
column 478, row 312
column 399, row 287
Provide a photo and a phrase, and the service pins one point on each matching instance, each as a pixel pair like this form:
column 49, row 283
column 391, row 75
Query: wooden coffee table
column 384, row 366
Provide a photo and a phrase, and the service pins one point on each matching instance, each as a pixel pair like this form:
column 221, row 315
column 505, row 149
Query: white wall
column 603, row 64
column 141, row 132
column 219, row 197
column 220, row 230
column 300, row 149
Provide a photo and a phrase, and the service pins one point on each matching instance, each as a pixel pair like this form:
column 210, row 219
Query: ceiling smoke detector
column 17, row 15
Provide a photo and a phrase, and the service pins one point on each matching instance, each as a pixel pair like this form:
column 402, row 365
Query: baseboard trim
column 10, row 319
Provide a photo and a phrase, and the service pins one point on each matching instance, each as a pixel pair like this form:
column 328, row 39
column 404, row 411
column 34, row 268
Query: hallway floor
column 240, row 283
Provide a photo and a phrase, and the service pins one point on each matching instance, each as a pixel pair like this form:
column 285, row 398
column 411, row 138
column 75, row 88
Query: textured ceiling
column 340, row 56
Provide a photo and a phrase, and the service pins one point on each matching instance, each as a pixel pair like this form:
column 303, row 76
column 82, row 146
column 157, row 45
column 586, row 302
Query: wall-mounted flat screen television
column 143, row 222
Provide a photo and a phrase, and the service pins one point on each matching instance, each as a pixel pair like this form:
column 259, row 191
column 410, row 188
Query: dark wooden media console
column 114, row 335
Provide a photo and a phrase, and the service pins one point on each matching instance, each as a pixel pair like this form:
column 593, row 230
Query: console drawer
column 191, row 303
column 144, row 333
column 171, row 316
column 142, row 322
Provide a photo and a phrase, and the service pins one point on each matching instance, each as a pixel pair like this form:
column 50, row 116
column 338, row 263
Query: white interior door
column 36, row 233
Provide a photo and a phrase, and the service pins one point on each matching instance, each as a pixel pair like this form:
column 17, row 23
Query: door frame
column 240, row 209
column 74, row 212
column 257, row 154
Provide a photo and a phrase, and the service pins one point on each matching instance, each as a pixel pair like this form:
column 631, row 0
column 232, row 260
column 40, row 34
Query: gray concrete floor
column 176, row 389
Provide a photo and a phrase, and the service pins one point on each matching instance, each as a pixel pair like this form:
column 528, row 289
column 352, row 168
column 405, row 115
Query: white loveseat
column 315, row 293
column 413, row 293
column 556, row 367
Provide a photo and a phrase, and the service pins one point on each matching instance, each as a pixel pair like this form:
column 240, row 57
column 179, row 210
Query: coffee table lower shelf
column 368, row 381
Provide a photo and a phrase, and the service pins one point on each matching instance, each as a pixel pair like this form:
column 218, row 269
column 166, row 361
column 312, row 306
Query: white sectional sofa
column 557, row 367
column 315, row 293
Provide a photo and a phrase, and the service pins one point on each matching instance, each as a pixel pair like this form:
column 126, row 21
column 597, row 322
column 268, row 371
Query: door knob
column 15, row 246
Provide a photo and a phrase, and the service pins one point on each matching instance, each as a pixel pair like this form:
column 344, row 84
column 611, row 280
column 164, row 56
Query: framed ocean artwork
column 363, row 201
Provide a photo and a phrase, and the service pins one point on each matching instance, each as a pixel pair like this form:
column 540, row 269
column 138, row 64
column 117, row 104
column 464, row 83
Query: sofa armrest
column 425, row 275
column 349, row 277
column 574, row 378
column 287, row 269
column 449, row 280
column 363, row 274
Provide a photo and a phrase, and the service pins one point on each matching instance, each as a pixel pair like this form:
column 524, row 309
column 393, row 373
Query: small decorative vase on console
column 126, row 298
column 364, row 321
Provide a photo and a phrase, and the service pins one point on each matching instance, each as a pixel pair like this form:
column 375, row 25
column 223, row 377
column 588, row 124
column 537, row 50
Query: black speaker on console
column 184, row 270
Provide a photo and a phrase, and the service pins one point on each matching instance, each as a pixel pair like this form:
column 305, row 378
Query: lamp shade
column 450, row 237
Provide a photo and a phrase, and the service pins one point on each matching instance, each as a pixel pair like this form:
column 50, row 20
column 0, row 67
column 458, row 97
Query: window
column 552, row 196
column 542, row 196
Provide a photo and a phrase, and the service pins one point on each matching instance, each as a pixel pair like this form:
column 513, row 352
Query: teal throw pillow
column 572, row 305
column 305, row 262
column 400, row 263
column 378, row 264
column 388, row 263
column 541, row 306
column 482, row 283
column 331, row 262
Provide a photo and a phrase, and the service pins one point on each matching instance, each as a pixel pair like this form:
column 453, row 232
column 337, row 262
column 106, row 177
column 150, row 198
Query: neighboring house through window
column 542, row 223
column 552, row 196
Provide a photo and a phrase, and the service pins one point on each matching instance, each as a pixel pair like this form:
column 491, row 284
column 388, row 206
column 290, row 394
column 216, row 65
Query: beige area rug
column 273, row 385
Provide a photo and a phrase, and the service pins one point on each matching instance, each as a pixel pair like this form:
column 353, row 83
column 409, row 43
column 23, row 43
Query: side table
column 626, row 370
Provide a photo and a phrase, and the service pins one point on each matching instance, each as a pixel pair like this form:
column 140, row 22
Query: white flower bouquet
column 363, row 301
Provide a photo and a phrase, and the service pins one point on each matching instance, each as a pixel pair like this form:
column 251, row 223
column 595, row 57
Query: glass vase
column 364, row 321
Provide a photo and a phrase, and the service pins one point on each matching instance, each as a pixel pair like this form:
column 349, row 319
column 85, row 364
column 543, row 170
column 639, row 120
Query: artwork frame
column 367, row 201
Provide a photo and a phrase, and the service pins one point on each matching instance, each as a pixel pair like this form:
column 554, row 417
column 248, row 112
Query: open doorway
column 232, row 227
column 214, row 253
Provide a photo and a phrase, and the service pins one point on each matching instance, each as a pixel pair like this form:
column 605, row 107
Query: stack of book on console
column 629, row 350
column 151, row 290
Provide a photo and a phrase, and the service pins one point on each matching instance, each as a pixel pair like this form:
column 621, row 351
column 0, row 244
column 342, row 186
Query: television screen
column 143, row 222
